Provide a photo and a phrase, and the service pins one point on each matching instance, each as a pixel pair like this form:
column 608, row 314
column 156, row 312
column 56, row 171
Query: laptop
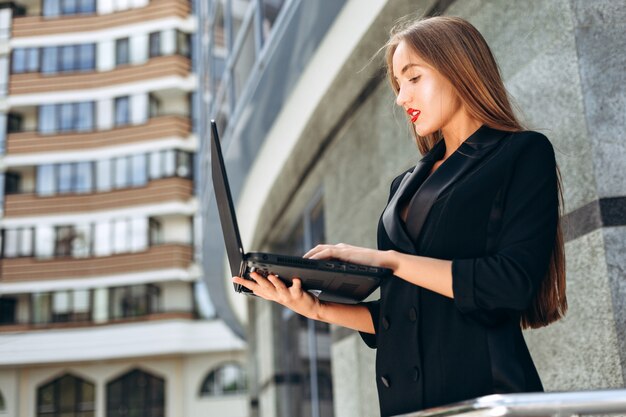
column 329, row 280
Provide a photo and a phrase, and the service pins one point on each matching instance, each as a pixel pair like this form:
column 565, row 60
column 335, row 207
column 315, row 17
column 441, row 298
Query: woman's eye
column 414, row 79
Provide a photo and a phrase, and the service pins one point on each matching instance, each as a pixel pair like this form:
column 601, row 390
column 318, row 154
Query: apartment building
column 100, row 313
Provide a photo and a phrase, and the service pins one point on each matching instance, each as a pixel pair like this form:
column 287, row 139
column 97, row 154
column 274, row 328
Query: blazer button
column 416, row 373
column 412, row 314
column 386, row 323
column 385, row 381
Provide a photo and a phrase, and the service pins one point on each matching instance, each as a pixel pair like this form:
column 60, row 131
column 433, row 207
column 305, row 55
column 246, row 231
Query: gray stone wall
column 563, row 62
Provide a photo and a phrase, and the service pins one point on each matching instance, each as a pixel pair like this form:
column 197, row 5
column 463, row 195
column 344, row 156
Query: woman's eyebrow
column 409, row 65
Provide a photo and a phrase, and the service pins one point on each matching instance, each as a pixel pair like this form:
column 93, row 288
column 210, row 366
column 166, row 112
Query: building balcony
column 28, row 26
column 156, row 67
column 164, row 256
column 158, row 190
column 156, row 128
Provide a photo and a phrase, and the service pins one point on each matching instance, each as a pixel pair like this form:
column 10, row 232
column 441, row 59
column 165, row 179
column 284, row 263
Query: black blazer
column 492, row 209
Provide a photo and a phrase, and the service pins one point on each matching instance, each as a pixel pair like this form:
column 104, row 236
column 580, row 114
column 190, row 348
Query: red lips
column 414, row 113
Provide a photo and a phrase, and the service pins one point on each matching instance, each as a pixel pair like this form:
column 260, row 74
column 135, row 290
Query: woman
column 471, row 233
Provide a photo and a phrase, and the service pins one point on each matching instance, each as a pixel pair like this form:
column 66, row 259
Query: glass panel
column 69, row 6
column 41, row 308
column 81, row 302
column 271, row 8
column 84, row 116
column 66, row 178
column 155, row 165
column 139, row 170
column 26, row 242
column 139, row 236
column 121, row 172
column 104, row 174
column 156, row 232
column 61, row 302
column 47, row 119
column 68, row 393
column 18, row 60
column 183, row 168
column 122, row 110
column 87, row 6
column 84, row 177
column 11, row 242
column 44, row 241
column 46, row 180
column 122, row 51
column 169, row 163
column 86, row 57
column 245, row 62
column 117, row 296
column 49, row 59
column 103, row 239
column 51, row 7
column 66, row 117
column 68, row 57
column 81, row 244
column 155, row 44
column 120, row 236
column 32, row 60
column 182, row 44
column 63, row 241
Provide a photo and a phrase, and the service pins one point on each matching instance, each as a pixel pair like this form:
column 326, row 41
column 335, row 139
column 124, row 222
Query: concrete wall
column 559, row 62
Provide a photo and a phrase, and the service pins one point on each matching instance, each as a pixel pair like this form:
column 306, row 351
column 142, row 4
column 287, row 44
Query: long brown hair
column 459, row 52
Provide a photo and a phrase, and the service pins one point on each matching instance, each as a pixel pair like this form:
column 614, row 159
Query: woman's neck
column 457, row 131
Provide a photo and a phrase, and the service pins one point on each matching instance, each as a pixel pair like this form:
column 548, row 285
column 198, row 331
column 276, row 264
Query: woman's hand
column 352, row 254
column 273, row 289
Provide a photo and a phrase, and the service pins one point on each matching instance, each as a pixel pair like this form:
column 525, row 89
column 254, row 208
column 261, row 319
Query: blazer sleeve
column 508, row 278
column 374, row 306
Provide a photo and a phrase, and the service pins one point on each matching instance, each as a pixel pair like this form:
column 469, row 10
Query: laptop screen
column 225, row 205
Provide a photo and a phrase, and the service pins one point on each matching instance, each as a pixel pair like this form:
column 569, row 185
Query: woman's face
column 428, row 97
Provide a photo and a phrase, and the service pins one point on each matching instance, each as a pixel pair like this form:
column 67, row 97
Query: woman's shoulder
column 529, row 144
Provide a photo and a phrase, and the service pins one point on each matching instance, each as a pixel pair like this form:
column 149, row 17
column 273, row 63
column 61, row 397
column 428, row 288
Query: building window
column 24, row 60
column 183, row 44
column 136, row 393
column 12, row 182
column 3, row 406
column 154, row 44
column 17, row 242
column 154, row 105
column 122, row 111
column 122, row 51
column 227, row 379
column 66, row 117
column 66, row 396
column 134, row 301
column 61, row 306
column 7, row 313
column 14, row 122
column 53, row 8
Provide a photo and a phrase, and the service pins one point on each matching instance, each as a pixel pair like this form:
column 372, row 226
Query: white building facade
column 100, row 313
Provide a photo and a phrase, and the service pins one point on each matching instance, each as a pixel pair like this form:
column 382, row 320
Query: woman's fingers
column 277, row 282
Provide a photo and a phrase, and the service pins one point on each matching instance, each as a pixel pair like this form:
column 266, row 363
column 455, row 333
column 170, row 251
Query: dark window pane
column 136, row 393
column 7, row 316
column 14, row 122
column 155, row 44
column 12, row 181
column 66, row 396
column 122, row 111
column 182, row 44
column 87, row 6
column 49, row 60
column 122, row 51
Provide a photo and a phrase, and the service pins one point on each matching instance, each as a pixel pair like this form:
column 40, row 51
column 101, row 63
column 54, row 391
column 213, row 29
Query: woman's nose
column 401, row 98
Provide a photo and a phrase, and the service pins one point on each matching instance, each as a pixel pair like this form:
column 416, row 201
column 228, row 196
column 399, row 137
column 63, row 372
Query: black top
column 492, row 209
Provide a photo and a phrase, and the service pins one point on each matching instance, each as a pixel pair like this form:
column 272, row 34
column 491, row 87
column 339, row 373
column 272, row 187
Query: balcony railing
column 164, row 256
column 157, row 67
column 41, row 26
column 156, row 128
column 557, row 404
column 156, row 191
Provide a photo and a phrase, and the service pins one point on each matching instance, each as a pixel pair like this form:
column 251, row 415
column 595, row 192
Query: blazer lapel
column 471, row 152
column 392, row 222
